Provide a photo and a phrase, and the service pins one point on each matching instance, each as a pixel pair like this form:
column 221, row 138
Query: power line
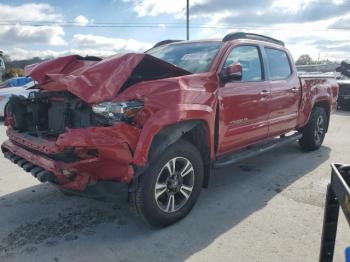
column 73, row 22
column 178, row 26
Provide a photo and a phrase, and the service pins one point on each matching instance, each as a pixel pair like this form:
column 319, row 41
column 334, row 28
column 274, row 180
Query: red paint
column 247, row 114
column 243, row 114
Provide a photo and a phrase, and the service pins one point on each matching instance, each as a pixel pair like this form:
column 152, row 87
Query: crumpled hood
column 94, row 79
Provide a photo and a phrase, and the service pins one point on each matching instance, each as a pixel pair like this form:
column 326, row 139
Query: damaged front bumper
column 79, row 157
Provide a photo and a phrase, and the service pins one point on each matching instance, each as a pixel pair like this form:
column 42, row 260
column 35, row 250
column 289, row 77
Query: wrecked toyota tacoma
column 160, row 121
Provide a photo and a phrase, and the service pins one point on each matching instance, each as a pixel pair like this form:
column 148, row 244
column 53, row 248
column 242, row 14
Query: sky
column 52, row 28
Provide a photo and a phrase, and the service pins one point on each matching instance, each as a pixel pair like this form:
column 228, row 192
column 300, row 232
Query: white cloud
column 22, row 54
column 97, row 42
column 29, row 12
column 157, row 7
column 16, row 30
column 81, row 20
column 92, row 45
column 305, row 20
column 25, row 34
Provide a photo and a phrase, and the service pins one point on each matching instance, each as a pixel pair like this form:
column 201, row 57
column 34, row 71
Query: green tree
column 304, row 60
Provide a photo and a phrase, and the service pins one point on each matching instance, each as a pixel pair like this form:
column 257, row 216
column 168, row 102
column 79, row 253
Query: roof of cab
column 228, row 37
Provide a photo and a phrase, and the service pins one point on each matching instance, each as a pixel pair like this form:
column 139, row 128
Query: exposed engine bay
column 48, row 114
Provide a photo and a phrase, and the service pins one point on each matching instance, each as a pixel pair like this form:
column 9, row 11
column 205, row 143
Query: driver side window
column 249, row 58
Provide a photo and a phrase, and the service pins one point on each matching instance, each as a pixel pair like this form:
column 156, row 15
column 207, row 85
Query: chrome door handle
column 264, row 92
column 295, row 89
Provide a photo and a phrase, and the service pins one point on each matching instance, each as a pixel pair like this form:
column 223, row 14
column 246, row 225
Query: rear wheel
column 315, row 130
column 169, row 188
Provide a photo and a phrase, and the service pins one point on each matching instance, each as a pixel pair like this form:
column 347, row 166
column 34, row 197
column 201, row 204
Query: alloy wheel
column 174, row 184
column 319, row 130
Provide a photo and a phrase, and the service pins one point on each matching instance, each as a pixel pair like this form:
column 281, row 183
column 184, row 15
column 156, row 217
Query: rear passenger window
column 278, row 64
column 249, row 58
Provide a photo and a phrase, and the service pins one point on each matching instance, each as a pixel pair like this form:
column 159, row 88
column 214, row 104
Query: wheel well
column 193, row 131
column 198, row 136
column 325, row 105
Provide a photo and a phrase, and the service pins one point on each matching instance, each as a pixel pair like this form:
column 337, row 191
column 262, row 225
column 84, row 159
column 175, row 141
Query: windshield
column 193, row 57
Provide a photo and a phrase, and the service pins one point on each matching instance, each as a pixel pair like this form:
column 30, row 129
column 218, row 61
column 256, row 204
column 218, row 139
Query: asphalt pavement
column 268, row 208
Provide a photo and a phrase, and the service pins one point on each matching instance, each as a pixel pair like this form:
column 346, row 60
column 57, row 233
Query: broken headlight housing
column 117, row 111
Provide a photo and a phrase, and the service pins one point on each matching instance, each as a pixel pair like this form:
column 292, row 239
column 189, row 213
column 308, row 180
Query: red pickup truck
column 159, row 121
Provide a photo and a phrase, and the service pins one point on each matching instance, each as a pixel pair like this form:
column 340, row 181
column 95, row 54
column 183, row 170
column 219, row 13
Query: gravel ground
column 269, row 208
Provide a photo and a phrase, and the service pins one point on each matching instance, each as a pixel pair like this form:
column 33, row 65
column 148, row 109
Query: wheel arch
column 195, row 131
column 304, row 117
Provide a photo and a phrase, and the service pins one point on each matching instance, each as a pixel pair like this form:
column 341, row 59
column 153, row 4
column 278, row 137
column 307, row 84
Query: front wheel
column 169, row 188
column 315, row 130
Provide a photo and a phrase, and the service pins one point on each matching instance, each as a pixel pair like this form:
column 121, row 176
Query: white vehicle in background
column 7, row 92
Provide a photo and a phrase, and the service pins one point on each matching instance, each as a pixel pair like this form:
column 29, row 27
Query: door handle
column 295, row 89
column 265, row 93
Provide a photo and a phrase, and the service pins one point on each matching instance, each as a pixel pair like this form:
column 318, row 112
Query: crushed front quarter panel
column 172, row 100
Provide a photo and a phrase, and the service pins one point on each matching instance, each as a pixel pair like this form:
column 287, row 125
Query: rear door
column 243, row 104
column 285, row 92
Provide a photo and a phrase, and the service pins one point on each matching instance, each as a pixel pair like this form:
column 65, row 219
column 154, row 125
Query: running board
column 255, row 150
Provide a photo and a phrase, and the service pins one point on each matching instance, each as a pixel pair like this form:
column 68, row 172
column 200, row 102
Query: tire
column 315, row 130
column 176, row 194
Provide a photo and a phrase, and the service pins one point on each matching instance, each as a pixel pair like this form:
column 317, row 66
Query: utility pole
column 188, row 19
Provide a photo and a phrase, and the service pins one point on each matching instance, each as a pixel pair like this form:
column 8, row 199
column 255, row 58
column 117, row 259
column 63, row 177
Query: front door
column 243, row 105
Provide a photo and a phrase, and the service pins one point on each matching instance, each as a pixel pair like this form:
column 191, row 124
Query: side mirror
column 232, row 73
